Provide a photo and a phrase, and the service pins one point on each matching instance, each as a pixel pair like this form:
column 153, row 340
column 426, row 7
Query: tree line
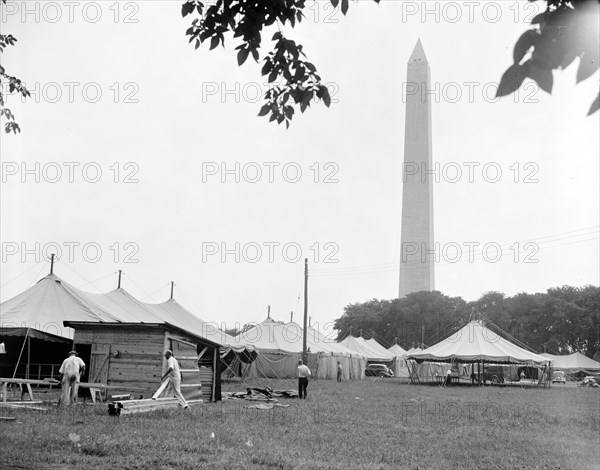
column 561, row 321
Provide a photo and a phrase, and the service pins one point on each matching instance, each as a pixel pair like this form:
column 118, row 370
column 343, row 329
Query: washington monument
column 416, row 251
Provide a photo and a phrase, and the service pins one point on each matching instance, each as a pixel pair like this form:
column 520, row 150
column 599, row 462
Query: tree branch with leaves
column 567, row 30
column 12, row 83
column 299, row 82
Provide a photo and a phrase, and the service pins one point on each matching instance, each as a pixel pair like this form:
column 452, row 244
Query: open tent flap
column 30, row 353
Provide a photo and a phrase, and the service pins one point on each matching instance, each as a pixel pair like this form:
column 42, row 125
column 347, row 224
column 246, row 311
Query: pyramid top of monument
column 418, row 53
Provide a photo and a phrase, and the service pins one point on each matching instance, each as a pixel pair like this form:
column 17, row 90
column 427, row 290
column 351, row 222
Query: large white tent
column 400, row 364
column 39, row 312
column 474, row 344
column 397, row 350
column 378, row 347
column 575, row 363
column 362, row 346
column 280, row 346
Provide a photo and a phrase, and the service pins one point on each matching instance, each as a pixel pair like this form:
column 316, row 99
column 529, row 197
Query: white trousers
column 175, row 388
column 70, row 388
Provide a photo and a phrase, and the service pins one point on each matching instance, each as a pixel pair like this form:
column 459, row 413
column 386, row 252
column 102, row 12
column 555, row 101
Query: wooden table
column 94, row 388
column 4, row 381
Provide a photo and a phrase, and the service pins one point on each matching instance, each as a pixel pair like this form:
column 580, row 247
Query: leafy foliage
column 563, row 319
column 295, row 79
column 567, row 30
column 13, row 83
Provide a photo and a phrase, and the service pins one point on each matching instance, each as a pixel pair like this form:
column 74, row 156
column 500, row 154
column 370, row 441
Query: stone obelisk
column 417, row 249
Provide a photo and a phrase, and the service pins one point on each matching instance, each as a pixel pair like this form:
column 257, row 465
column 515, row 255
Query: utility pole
column 268, row 311
column 304, row 355
column 119, row 281
column 172, row 287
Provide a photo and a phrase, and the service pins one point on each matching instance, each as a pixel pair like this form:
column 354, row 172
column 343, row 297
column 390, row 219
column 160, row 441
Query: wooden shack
column 131, row 355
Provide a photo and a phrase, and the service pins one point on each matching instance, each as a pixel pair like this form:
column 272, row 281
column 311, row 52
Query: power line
column 505, row 250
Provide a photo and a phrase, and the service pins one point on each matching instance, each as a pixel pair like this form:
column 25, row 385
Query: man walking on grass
column 174, row 378
column 303, row 375
column 71, row 369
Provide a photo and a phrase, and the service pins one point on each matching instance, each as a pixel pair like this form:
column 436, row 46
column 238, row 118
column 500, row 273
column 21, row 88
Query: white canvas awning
column 473, row 343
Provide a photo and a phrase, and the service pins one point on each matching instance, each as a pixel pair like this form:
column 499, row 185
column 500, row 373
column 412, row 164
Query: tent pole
column 304, row 355
column 215, row 375
column 28, row 357
column 19, row 359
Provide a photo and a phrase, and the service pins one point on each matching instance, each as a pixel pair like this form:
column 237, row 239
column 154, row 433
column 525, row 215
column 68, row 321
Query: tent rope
column 19, row 275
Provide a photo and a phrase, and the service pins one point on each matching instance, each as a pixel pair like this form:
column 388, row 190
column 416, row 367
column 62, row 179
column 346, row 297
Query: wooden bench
column 4, row 381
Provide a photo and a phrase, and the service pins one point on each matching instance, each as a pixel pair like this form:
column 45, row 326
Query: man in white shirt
column 303, row 375
column 71, row 369
column 174, row 377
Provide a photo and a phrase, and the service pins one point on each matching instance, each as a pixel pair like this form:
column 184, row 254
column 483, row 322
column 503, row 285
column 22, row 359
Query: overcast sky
column 117, row 89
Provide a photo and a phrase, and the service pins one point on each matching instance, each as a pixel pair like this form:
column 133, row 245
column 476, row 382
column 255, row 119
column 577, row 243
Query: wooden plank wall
column 192, row 387
column 136, row 355
column 204, row 368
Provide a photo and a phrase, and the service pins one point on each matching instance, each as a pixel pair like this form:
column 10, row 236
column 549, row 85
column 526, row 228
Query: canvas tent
column 378, row 347
column 361, row 346
column 397, row 350
column 477, row 344
column 41, row 310
column 574, row 364
column 280, row 346
column 400, row 364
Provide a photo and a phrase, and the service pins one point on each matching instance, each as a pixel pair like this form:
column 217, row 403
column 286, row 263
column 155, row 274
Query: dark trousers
column 339, row 376
column 302, row 384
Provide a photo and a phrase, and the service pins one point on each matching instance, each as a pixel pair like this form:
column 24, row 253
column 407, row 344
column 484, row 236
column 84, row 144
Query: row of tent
column 46, row 305
column 270, row 348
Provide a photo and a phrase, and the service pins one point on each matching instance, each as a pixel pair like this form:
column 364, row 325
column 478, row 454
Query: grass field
column 381, row 424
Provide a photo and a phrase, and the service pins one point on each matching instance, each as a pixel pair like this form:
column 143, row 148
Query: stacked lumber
column 126, row 407
column 24, row 405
